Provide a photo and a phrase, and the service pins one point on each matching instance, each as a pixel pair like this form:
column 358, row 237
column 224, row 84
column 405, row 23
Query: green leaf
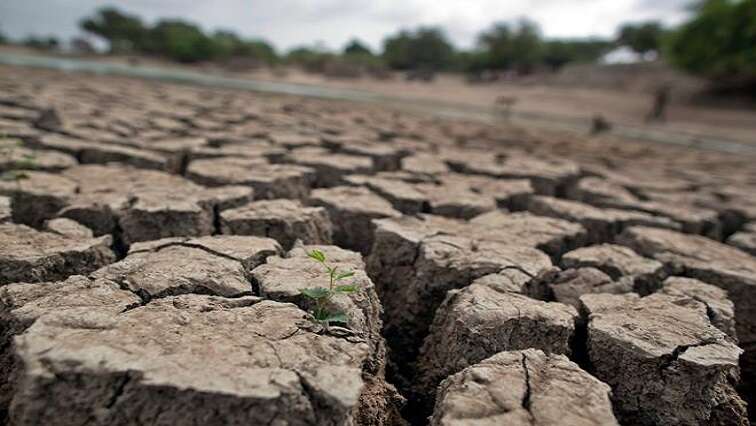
column 321, row 314
column 316, row 293
column 343, row 275
column 347, row 288
column 336, row 317
column 317, row 255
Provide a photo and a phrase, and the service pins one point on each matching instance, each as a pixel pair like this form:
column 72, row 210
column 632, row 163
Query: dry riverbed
column 153, row 252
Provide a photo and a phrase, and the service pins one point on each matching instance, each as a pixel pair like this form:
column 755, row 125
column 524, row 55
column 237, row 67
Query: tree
column 472, row 61
column 424, row 48
column 396, row 50
column 258, row 49
column 226, row 44
column 180, row 41
column 520, row 49
column 355, row 47
column 176, row 39
column 124, row 32
column 718, row 42
column 557, row 53
column 497, row 43
column 310, row 59
column 641, row 38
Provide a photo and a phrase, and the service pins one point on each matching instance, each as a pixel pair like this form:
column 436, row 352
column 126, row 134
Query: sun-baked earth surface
column 153, row 243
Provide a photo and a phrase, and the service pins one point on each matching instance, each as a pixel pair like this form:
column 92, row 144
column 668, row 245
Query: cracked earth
column 153, row 253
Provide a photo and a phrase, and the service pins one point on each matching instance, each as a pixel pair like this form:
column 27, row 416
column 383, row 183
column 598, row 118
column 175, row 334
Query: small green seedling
column 322, row 295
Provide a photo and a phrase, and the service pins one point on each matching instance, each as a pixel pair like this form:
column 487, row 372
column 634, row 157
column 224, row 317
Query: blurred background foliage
column 718, row 42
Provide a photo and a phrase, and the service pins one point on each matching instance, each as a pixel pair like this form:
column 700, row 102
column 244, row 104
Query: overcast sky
column 288, row 23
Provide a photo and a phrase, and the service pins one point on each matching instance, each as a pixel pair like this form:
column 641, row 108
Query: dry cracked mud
column 154, row 240
column 286, row 221
column 5, row 209
column 131, row 367
column 527, row 387
column 621, row 264
column 29, row 255
column 135, row 204
column 745, row 239
column 351, row 211
column 217, row 265
column 478, row 321
column 267, row 180
column 660, row 374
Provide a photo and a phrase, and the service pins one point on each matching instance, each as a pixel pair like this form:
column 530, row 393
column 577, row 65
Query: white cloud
column 288, row 23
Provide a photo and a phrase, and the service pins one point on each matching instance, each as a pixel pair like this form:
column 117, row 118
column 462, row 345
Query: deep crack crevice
column 194, row 246
column 528, row 390
column 324, row 413
column 146, row 297
column 579, row 342
column 119, row 246
column 517, row 268
column 668, row 360
column 120, row 386
column 216, row 220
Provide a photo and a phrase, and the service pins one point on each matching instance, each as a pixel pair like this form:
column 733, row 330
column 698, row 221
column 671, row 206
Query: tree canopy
column 356, row 47
column 124, row 32
column 176, row 39
column 557, row 53
column 641, row 38
column 519, row 47
column 718, row 42
column 311, row 59
column 424, row 48
column 180, row 41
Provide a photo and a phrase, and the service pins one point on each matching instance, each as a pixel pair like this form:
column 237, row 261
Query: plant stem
column 330, row 285
column 331, row 274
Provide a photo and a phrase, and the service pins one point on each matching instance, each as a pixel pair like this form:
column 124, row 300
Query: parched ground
column 153, row 248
